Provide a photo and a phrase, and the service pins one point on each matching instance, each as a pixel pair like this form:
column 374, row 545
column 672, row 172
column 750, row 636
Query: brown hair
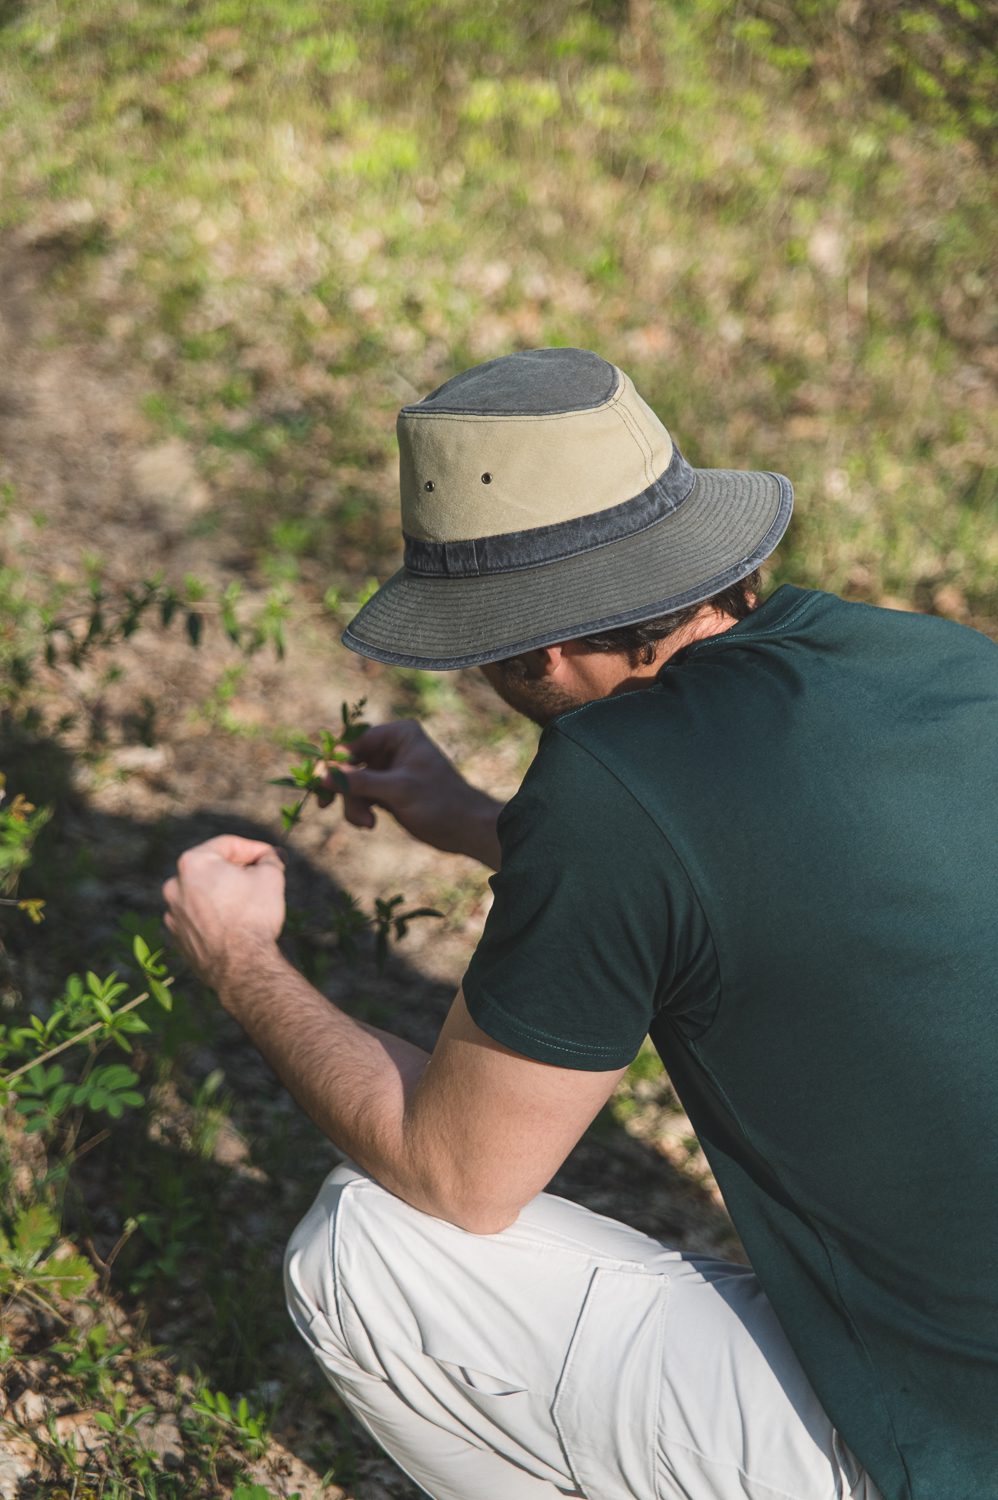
column 638, row 642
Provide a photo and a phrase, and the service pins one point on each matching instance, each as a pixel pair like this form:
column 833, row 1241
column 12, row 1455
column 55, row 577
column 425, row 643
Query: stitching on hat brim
column 762, row 549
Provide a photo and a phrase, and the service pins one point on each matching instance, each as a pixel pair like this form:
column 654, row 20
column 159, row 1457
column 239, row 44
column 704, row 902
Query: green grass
column 291, row 218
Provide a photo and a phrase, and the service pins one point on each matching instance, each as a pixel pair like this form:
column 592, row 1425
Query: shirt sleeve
column 593, row 924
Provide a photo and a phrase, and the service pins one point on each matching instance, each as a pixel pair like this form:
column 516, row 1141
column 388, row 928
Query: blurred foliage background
column 289, row 218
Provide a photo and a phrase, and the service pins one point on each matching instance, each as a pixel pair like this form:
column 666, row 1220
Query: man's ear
column 544, row 661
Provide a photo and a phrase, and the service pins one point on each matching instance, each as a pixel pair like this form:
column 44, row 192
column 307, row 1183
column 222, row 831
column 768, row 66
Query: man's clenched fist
column 225, row 902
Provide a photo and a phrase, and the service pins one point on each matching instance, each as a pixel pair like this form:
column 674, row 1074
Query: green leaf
column 160, row 993
column 34, row 1229
column 116, row 1076
column 130, row 1023
column 141, row 949
column 103, row 1421
column 69, row 1275
column 193, row 625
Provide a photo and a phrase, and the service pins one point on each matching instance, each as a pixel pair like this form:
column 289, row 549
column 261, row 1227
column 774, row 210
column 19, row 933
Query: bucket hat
column 543, row 499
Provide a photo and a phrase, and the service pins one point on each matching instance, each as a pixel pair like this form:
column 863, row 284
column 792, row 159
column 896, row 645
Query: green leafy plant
column 246, row 1428
column 45, row 1094
column 30, row 1263
column 90, row 1357
column 389, row 922
column 349, row 922
column 20, row 824
column 306, row 777
column 86, row 1012
column 171, row 1236
column 121, row 1420
column 251, row 1491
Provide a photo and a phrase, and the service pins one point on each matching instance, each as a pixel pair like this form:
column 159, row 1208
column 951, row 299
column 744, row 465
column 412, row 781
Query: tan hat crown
column 489, row 454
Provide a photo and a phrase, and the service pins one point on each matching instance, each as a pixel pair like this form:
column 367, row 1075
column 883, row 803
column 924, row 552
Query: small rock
column 165, row 476
column 141, row 758
column 29, row 1409
column 17, row 1461
column 160, row 1434
column 79, row 1428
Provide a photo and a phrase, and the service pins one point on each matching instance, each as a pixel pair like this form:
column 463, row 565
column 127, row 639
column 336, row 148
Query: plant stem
column 71, row 1041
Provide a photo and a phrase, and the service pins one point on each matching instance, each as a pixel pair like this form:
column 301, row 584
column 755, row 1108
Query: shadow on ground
column 218, row 1171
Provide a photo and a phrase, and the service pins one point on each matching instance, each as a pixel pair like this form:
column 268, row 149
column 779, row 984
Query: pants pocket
column 607, row 1405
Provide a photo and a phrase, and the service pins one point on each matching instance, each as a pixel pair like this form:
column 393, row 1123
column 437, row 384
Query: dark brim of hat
column 730, row 522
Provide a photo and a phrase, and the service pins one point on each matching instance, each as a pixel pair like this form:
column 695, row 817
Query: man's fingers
column 228, row 846
column 379, row 745
column 171, row 890
column 358, row 812
column 374, row 786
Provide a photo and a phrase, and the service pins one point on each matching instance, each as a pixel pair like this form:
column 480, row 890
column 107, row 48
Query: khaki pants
column 568, row 1355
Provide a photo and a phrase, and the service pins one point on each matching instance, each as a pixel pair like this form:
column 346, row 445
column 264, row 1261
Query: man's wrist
column 243, row 956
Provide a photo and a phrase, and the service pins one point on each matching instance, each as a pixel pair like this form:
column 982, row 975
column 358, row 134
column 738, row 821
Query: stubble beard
column 538, row 699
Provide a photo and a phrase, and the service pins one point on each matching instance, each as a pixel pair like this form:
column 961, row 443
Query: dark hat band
column 545, row 544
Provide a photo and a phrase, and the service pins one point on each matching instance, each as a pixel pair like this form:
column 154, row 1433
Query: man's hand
column 225, row 901
column 403, row 770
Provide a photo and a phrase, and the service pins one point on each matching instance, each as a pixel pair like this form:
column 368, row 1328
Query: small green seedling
column 246, row 1428
column 305, row 777
column 350, row 920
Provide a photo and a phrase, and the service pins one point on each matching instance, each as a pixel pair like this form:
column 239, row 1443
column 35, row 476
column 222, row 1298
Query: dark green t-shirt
column 781, row 859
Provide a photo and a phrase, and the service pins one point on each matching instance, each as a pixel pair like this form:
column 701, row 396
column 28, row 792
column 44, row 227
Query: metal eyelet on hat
column 486, row 478
column 429, row 485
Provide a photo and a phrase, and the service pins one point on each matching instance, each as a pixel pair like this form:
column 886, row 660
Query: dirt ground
column 74, row 443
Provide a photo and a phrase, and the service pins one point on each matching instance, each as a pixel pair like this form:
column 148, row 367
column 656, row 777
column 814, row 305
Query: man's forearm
column 479, row 837
column 353, row 1080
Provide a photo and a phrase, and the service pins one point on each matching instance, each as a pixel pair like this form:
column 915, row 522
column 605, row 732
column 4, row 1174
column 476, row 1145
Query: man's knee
column 310, row 1261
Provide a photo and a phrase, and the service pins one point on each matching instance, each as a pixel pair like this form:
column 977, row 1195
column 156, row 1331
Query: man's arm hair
column 469, row 1134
